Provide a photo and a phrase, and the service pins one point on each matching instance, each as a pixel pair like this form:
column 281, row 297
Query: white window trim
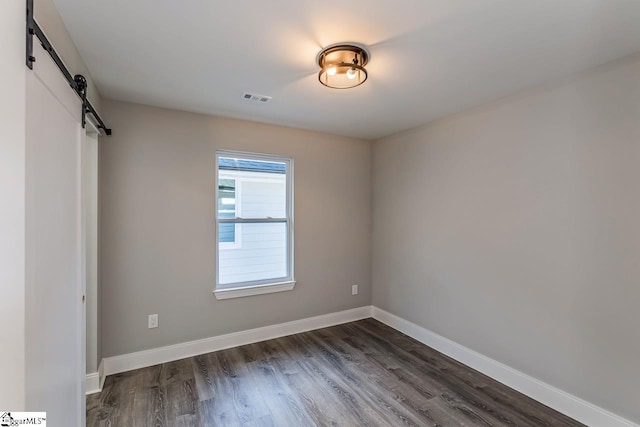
column 247, row 291
column 244, row 289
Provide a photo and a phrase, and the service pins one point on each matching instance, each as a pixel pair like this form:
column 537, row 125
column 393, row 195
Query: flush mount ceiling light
column 342, row 66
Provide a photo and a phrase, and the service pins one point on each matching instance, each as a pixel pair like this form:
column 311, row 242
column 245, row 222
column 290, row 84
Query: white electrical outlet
column 153, row 321
column 354, row 290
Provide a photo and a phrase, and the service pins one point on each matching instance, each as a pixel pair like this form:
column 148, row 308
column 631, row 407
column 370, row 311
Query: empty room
column 320, row 213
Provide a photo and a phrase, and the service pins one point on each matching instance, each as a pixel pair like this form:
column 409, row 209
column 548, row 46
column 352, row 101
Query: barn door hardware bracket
column 30, row 32
column 78, row 82
column 81, row 89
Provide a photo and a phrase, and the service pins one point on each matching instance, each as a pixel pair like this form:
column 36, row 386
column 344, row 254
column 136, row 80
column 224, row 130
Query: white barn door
column 55, row 348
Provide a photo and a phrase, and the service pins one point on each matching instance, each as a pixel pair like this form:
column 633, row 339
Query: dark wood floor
column 358, row 374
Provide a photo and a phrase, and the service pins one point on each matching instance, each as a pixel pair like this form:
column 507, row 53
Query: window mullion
column 251, row 220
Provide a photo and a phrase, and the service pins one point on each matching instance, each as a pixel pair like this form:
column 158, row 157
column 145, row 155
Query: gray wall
column 513, row 229
column 157, row 236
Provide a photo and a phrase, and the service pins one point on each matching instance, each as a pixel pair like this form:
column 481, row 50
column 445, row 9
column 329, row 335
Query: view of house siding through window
column 256, row 251
column 227, row 209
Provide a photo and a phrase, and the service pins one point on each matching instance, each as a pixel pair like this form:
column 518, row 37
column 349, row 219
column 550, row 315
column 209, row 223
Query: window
column 254, row 224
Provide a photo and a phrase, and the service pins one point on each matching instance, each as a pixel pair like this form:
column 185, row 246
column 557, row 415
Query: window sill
column 247, row 291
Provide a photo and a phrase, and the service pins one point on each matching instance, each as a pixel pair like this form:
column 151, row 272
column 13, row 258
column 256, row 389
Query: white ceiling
column 430, row 58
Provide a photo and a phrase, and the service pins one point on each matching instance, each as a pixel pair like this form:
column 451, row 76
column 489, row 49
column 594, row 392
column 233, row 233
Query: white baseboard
column 142, row 359
column 95, row 380
column 553, row 397
column 101, row 374
column 92, row 383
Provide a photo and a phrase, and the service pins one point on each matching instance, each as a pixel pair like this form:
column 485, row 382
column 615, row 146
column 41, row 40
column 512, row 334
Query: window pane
column 227, row 208
column 261, row 256
column 264, row 198
column 260, row 190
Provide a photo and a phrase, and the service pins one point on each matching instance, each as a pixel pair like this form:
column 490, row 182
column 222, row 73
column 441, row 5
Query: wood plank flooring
column 358, row 374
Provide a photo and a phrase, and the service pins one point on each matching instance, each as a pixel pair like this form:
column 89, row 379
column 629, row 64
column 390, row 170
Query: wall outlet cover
column 153, row 321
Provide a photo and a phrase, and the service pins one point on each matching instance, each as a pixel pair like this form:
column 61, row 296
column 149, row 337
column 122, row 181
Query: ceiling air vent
column 262, row 99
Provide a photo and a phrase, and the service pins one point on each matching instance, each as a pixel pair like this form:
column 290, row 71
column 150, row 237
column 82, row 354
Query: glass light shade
column 342, row 66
